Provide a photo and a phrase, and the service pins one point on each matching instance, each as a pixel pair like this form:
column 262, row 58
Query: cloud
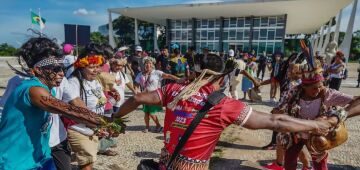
column 84, row 12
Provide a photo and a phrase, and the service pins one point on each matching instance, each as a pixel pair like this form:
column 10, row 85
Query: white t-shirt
column 57, row 130
column 93, row 91
column 68, row 60
column 150, row 82
column 121, row 81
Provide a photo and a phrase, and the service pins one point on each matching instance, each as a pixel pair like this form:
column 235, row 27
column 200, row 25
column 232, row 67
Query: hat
column 231, row 53
column 68, row 48
column 138, row 48
column 123, row 48
column 175, row 46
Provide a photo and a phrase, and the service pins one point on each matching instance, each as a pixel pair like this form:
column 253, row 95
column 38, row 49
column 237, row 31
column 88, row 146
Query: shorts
column 274, row 80
column 85, row 147
column 152, row 109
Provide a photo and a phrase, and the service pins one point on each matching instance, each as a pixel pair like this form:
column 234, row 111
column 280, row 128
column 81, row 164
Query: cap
column 123, row 48
column 231, row 53
column 138, row 48
column 67, row 48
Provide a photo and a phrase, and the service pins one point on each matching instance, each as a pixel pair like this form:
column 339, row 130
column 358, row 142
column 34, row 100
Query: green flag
column 35, row 19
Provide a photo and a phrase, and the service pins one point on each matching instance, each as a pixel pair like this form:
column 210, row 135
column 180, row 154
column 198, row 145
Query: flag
column 36, row 19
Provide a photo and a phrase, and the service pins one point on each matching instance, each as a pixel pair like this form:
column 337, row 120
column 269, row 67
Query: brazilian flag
column 35, row 19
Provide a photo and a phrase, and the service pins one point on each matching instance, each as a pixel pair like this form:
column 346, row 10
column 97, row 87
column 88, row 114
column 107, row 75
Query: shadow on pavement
column 146, row 154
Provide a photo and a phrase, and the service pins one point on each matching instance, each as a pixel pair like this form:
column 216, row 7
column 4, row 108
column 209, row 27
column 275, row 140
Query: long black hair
column 90, row 49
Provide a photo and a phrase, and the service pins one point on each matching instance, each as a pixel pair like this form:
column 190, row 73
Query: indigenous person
column 250, row 67
column 25, row 123
column 310, row 100
column 190, row 57
column 85, row 91
column 136, row 62
column 149, row 80
column 69, row 59
column 121, row 80
column 183, row 101
column 336, row 71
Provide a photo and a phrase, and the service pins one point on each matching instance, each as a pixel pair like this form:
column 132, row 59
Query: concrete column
column 346, row 44
column 321, row 41
column 327, row 38
column 221, row 38
column 316, row 41
column 136, row 33
column 193, row 35
column 156, row 47
column 111, row 32
column 337, row 29
column 168, row 33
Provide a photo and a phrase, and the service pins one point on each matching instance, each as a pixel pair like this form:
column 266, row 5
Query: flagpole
column 32, row 26
column 40, row 24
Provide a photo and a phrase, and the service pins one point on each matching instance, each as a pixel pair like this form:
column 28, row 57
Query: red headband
column 312, row 80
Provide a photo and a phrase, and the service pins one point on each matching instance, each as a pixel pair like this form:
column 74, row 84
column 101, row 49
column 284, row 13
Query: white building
column 245, row 24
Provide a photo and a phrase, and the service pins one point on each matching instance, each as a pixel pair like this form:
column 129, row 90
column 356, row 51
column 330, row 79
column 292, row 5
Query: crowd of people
column 55, row 103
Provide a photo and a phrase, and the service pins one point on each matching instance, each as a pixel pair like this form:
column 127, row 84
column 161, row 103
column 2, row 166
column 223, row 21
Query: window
column 198, row 24
column 217, row 23
column 271, row 34
column 279, row 33
column 232, row 22
column 280, row 21
column 184, row 24
column 211, row 35
column 198, row 35
column 211, row 23
column 226, row 23
column 262, row 47
column 270, row 48
column 240, row 22
column 232, row 34
column 173, row 35
column 246, row 34
column 263, row 34
column 204, row 23
column 178, row 35
column 256, row 22
column 217, row 34
column 226, row 46
column 172, row 25
column 203, row 34
column 239, row 35
column 272, row 21
column 178, row 24
column 184, row 35
column 255, row 48
column 246, row 47
column 256, row 35
column 247, row 21
column 264, row 21
column 225, row 35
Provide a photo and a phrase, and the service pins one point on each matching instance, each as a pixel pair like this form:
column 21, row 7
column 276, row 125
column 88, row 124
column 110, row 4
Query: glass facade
column 238, row 33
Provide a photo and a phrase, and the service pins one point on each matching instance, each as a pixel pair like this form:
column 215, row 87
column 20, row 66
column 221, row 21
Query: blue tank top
column 24, row 130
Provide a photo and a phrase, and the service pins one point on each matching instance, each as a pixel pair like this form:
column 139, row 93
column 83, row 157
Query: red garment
column 105, row 68
column 203, row 140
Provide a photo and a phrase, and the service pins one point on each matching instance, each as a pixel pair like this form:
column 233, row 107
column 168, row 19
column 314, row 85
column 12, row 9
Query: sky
column 15, row 15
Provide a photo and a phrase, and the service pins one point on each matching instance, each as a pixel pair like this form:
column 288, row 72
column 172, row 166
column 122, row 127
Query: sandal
column 108, row 153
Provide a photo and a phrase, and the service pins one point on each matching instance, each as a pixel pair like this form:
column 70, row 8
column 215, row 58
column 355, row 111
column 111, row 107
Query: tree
column 7, row 50
column 97, row 37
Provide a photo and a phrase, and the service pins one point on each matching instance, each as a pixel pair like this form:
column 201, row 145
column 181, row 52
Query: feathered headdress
column 312, row 71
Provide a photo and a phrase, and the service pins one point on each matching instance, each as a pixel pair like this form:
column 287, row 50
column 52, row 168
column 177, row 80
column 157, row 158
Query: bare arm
column 43, row 99
column 131, row 87
column 284, row 123
column 354, row 107
column 169, row 76
column 148, row 98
